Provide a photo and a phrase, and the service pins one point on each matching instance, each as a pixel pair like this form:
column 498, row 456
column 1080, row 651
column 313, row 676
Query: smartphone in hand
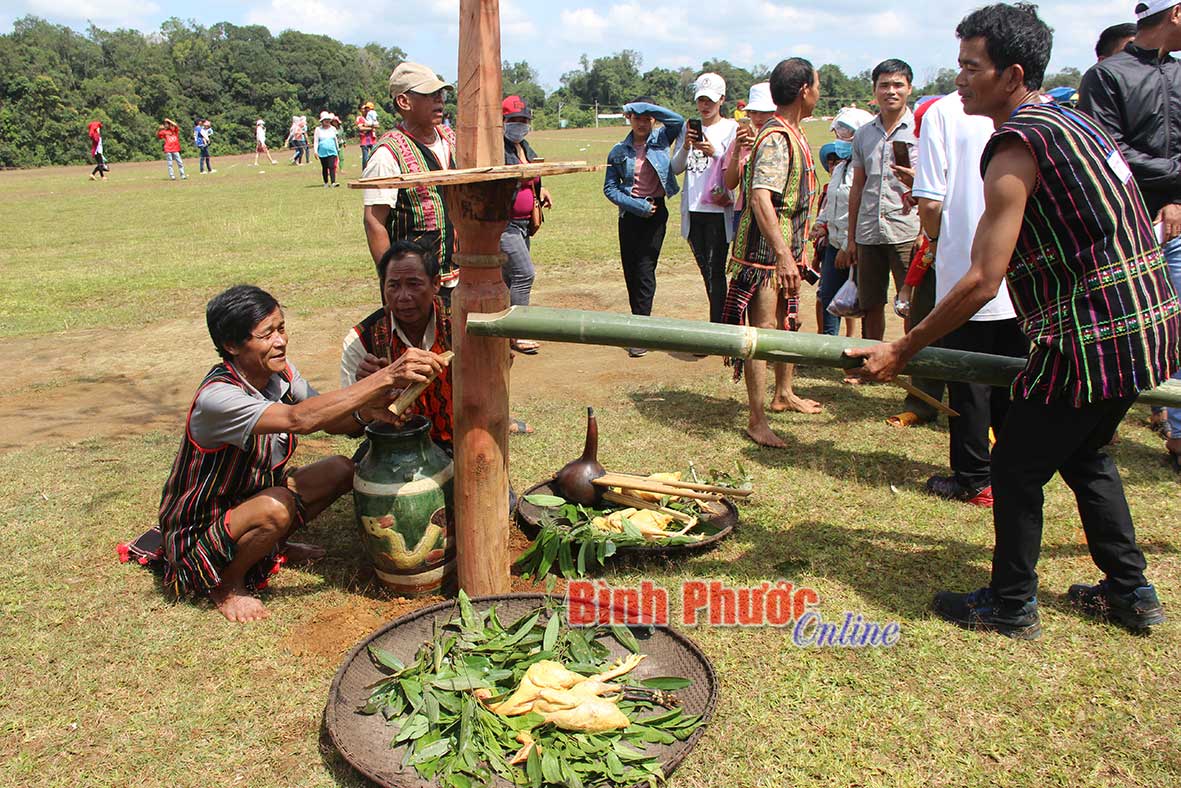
column 901, row 154
column 695, row 129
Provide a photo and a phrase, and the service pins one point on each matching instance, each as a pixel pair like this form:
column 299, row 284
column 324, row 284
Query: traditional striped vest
column 792, row 204
column 203, row 486
column 420, row 214
column 436, row 402
column 1088, row 279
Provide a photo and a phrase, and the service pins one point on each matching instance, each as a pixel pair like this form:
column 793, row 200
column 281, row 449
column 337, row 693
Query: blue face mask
column 843, row 149
column 515, row 132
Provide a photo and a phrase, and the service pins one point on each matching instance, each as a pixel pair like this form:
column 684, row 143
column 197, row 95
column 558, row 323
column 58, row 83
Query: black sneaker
column 979, row 611
column 637, row 352
column 948, row 488
column 1136, row 610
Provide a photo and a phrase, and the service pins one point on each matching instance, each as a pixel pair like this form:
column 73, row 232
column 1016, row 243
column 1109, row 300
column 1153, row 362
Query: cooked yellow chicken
column 653, row 525
column 570, row 701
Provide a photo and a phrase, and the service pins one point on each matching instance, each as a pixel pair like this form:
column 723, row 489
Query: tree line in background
column 53, row 81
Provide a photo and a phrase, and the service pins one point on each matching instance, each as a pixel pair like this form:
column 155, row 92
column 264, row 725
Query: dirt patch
column 98, row 383
column 333, row 631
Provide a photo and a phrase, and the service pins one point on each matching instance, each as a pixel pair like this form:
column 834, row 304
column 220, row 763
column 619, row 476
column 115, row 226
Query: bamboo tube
column 735, row 492
column 412, row 392
column 692, row 336
column 640, row 503
column 642, row 485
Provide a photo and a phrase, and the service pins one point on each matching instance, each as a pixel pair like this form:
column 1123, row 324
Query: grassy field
column 106, row 682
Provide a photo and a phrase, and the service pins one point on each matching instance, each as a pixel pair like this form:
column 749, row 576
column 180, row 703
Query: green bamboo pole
column 694, row 336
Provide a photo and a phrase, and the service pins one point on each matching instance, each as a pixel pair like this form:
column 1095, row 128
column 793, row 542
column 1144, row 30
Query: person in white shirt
column 950, row 195
column 707, row 206
column 260, row 140
column 832, row 225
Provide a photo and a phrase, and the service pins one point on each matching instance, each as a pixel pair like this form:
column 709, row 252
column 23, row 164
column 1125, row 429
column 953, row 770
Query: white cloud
column 310, row 16
column 583, row 25
column 123, row 13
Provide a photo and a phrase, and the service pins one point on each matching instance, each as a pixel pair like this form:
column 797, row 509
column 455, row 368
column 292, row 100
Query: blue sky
column 854, row 34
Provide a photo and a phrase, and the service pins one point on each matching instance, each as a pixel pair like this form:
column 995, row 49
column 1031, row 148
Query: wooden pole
column 480, row 213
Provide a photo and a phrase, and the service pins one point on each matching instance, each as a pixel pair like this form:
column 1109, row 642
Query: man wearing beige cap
column 419, row 143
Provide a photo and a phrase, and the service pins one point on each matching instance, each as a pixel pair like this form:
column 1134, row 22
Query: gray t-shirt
column 880, row 219
column 226, row 414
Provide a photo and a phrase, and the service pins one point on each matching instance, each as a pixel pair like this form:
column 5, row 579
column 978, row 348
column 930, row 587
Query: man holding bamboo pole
column 1065, row 224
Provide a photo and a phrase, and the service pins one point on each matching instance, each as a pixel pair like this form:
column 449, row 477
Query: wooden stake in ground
column 480, row 213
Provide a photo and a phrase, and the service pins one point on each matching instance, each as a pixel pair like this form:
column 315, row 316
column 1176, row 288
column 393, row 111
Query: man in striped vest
column 230, row 502
column 419, row 143
column 1067, row 228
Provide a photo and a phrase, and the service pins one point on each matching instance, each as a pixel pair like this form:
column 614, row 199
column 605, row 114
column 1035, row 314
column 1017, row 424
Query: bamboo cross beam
column 692, row 336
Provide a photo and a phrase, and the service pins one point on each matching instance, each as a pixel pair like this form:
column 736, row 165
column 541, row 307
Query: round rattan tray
column 716, row 527
column 364, row 740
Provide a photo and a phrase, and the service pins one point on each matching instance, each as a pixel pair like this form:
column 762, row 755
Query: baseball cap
column 515, row 106
column 415, row 78
column 1147, row 8
column 367, row 105
column 710, row 85
column 759, row 99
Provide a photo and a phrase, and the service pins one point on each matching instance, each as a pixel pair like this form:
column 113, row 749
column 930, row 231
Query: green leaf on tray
column 625, row 638
column 385, row 658
column 540, row 499
column 666, row 683
column 551, row 633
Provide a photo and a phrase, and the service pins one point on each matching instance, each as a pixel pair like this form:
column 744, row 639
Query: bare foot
column 302, row 553
column 763, row 436
column 852, row 380
column 237, row 605
column 794, row 403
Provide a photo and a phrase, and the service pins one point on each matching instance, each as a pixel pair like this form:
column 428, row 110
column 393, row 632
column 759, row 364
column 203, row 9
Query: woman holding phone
column 707, row 206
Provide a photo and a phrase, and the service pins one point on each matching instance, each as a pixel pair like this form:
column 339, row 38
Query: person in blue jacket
column 639, row 179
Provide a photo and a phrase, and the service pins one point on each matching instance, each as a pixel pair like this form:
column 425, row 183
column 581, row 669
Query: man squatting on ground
column 419, row 143
column 1066, row 224
column 230, row 503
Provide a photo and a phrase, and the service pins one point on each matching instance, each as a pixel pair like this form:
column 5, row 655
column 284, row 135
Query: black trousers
column 921, row 304
column 328, row 168
column 979, row 406
column 640, row 240
column 707, row 239
column 1036, row 441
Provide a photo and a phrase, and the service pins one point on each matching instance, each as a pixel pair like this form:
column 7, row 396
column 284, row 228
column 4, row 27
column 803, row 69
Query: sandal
column 526, row 346
column 519, row 427
column 905, row 419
